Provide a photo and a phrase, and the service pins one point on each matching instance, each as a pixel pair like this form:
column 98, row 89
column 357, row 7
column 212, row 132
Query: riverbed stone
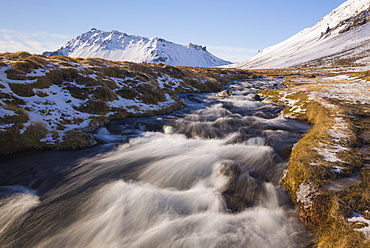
column 225, row 93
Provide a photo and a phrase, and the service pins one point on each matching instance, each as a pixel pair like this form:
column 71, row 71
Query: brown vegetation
column 327, row 210
column 96, row 82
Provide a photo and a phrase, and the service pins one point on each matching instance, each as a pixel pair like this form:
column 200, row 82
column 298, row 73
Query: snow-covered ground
column 360, row 220
column 83, row 94
column 331, row 40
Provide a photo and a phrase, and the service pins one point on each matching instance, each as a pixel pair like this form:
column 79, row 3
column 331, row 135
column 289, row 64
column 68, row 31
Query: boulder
column 257, row 97
column 242, row 190
column 225, row 93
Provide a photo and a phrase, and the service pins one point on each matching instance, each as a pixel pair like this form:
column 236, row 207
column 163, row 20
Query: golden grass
column 13, row 141
column 329, row 210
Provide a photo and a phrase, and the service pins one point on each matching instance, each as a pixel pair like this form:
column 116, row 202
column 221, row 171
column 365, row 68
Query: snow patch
column 4, row 127
column 306, row 193
column 329, row 152
column 5, row 112
column 360, row 220
column 351, row 91
column 338, row 78
column 338, row 131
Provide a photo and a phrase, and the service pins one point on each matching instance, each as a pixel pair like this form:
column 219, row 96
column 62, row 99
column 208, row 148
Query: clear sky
column 231, row 29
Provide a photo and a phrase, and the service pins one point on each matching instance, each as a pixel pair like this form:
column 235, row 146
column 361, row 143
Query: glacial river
column 204, row 176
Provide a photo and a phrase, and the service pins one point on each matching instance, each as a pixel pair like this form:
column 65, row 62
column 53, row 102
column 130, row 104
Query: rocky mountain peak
column 118, row 46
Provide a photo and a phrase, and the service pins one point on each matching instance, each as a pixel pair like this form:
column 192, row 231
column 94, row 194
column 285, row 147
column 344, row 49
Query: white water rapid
column 206, row 176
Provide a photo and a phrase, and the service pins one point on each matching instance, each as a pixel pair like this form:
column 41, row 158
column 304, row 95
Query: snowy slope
column 342, row 34
column 119, row 46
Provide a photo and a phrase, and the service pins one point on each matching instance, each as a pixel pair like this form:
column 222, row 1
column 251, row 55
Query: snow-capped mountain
column 342, row 36
column 119, row 46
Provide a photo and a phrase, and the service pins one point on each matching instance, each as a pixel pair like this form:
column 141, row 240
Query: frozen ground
column 345, row 98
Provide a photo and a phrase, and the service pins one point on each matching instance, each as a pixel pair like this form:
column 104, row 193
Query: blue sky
column 233, row 29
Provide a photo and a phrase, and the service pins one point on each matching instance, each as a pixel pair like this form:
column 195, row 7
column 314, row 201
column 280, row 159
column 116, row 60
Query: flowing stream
column 204, row 176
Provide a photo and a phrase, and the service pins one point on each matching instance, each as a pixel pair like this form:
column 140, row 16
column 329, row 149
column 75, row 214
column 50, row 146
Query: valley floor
column 52, row 102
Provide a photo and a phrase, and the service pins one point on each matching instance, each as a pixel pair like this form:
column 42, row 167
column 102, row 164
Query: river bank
column 51, row 102
column 328, row 175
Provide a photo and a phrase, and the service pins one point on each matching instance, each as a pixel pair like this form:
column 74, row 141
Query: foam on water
column 15, row 203
column 175, row 198
column 123, row 214
column 208, row 178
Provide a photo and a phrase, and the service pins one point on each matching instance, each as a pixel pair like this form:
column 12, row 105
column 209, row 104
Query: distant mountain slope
column 341, row 37
column 119, row 46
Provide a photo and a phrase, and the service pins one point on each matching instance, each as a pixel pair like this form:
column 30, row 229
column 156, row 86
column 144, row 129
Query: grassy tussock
column 127, row 93
column 16, row 56
column 23, row 63
column 335, row 231
column 96, row 107
column 303, row 163
column 18, row 119
column 13, row 140
column 14, row 74
column 24, row 90
column 273, row 96
column 75, row 139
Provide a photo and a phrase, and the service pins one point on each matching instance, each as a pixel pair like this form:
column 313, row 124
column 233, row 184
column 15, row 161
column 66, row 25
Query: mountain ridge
column 119, row 46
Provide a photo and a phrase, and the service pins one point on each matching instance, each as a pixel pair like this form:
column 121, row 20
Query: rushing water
column 205, row 176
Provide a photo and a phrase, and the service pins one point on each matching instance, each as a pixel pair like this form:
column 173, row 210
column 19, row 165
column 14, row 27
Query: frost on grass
column 323, row 168
column 339, row 132
column 306, row 193
column 352, row 90
column 326, row 91
column 329, row 152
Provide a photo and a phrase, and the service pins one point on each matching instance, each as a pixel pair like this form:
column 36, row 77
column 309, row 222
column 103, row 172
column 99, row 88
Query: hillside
column 119, row 46
column 50, row 102
column 340, row 38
